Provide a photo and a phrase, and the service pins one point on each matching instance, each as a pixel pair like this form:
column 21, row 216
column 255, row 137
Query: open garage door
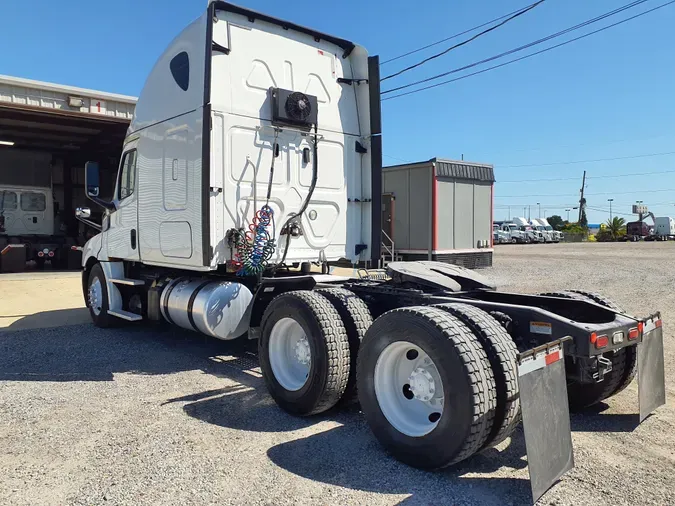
column 47, row 133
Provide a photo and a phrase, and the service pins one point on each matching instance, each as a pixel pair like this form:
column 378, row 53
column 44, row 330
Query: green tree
column 616, row 226
column 556, row 222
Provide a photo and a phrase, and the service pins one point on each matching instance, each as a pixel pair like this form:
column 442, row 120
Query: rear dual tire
column 304, row 353
column 426, row 387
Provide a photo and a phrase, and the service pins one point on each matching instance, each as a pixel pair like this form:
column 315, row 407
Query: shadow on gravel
column 87, row 353
column 349, row 456
column 594, row 419
column 55, row 318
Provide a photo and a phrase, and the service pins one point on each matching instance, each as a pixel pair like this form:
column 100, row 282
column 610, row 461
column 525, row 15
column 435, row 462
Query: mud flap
column 546, row 417
column 651, row 371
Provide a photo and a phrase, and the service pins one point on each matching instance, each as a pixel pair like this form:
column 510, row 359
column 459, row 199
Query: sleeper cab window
column 128, row 175
column 180, row 70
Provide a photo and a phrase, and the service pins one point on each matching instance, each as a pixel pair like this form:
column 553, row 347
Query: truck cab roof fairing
column 346, row 45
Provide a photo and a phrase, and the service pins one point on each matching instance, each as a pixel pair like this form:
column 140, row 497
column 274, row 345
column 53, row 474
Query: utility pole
column 509, row 213
column 581, row 199
column 524, row 211
column 539, row 204
column 610, row 208
column 529, row 213
column 568, row 215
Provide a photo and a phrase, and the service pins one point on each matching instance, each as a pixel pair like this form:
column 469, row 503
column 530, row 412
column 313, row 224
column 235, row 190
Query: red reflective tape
column 5, row 250
column 552, row 357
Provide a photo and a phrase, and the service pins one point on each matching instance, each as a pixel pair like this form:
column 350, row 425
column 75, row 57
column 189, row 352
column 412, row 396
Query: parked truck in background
column 29, row 220
column 664, row 228
column 205, row 234
column 538, row 225
column 555, row 234
column 533, row 235
column 513, row 233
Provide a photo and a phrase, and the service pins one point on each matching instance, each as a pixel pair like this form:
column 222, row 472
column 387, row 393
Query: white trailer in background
column 664, row 228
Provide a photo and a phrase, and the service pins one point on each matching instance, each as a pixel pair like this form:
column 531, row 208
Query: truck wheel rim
column 290, row 354
column 409, row 389
column 96, row 296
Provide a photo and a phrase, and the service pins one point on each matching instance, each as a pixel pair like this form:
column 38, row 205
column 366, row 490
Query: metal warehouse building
column 47, row 133
column 438, row 210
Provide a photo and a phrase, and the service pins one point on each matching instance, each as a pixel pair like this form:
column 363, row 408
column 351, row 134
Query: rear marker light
column 658, row 323
column 601, row 341
column 641, row 327
column 594, row 337
column 633, row 334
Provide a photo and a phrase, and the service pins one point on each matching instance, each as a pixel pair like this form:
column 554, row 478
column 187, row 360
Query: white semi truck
column 545, row 227
column 255, row 148
column 664, row 228
column 533, row 235
column 27, row 220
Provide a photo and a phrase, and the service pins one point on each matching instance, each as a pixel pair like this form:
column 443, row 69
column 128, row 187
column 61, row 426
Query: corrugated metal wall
column 412, row 191
column 463, row 213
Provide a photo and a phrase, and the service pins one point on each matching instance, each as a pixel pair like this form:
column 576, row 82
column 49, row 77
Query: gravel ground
column 144, row 415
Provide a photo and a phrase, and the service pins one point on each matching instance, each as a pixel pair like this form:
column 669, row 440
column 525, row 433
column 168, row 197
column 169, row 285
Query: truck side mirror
column 91, row 179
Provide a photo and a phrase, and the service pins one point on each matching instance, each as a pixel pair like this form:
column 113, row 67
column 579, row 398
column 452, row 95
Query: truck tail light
column 601, row 341
column 593, row 337
column 50, row 254
column 41, row 254
column 633, row 334
column 641, row 327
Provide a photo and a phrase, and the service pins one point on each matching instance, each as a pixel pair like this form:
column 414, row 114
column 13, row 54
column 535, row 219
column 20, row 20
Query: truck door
column 388, row 216
column 33, row 212
column 122, row 234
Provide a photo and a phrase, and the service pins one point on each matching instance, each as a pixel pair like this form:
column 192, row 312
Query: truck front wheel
column 97, row 298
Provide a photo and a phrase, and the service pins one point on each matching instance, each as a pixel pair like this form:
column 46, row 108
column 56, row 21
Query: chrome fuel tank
column 216, row 308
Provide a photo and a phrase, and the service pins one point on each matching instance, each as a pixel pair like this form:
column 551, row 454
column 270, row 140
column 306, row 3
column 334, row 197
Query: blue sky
column 610, row 95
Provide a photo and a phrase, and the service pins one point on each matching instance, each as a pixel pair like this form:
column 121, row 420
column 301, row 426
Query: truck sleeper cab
column 256, row 146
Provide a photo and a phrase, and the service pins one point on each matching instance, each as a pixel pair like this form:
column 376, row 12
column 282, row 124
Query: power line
column 464, row 42
column 516, row 59
column 645, row 155
column 604, row 176
column 526, row 46
column 451, row 37
column 588, row 194
column 398, row 159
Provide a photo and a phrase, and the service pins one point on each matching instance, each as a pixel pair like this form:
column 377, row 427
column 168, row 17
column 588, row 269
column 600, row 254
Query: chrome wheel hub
column 422, row 384
column 96, row 296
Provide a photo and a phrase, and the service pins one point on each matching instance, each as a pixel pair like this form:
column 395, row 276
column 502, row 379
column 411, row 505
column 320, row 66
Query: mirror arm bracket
column 110, row 206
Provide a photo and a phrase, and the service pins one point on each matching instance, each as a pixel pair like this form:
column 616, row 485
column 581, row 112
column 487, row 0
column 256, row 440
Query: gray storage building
column 438, row 210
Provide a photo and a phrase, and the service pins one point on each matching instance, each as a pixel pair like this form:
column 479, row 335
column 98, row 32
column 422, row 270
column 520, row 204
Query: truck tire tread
column 501, row 352
column 325, row 388
column 452, row 336
column 357, row 319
